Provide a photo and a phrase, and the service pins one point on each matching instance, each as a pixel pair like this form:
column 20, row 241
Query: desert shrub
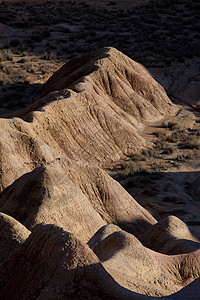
column 169, row 125
column 12, row 75
column 180, row 158
column 138, row 157
column 172, row 139
column 192, row 142
column 150, row 153
column 131, row 167
column 49, row 56
column 161, row 145
column 183, row 157
column 159, row 166
column 177, row 136
column 159, row 134
column 168, row 151
column 6, row 54
column 169, row 199
column 29, row 68
column 22, row 49
column 14, row 43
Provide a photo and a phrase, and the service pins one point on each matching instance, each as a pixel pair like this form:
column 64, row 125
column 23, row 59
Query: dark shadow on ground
column 17, row 96
column 140, row 226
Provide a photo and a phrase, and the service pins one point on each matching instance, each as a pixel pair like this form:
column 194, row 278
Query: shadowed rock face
column 43, row 278
column 12, row 235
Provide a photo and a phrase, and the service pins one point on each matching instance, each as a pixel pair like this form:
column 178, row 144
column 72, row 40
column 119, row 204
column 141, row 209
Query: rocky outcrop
column 170, row 236
column 54, row 264
column 109, row 77
column 90, row 115
column 93, row 110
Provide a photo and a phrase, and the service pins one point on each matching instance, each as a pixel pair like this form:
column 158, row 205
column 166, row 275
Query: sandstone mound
column 76, row 196
column 12, row 234
column 110, row 77
column 93, row 110
column 90, row 115
column 101, row 234
column 140, row 269
column 73, row 272
column 170, row 236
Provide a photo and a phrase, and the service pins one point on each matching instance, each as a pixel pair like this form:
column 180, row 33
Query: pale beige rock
column 53, row 264
column 109, row 77
column 78, row 197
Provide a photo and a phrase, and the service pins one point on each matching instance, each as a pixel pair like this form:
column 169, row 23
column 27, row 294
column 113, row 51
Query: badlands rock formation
column 170, row 236
column 141, row 269
column 53, row 264
column 78, row 197
column 93, row 111
column 90, row 115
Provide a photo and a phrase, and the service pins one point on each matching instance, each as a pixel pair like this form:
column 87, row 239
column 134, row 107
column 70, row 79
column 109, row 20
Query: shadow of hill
column 137, row 223
column 14, row 97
